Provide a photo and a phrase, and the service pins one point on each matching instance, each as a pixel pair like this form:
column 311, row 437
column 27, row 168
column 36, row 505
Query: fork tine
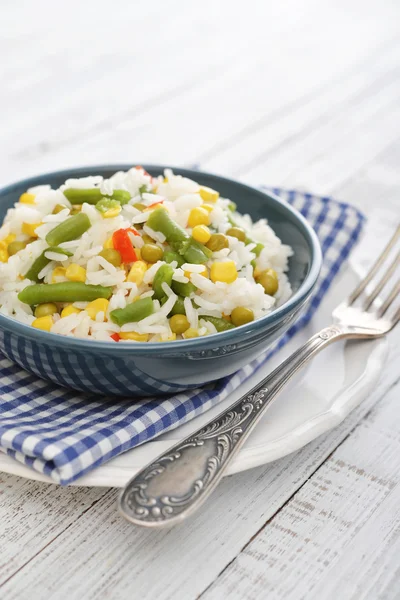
column 381, row 284
column 389, row 300
column 363, row 284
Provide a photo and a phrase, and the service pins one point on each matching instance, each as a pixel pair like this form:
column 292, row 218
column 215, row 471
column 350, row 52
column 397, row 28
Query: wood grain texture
column 352, row 500
column 99, row 555
column 296, row 94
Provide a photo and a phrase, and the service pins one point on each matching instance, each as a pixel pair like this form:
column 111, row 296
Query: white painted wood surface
column 297, row 94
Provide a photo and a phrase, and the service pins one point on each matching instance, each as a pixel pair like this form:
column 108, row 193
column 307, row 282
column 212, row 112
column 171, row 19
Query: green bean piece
column 170, row 256
column 93, row 195
column 79, row 196
column 42, row 261
column 59, row 250
column 70, row 291
column 178, row 238
column 177, row 309
column 159, row 220
column 70, row 229
column 257, row 249
column 106, row 204
column 134, row 312
column 232, row 206
column 163, row 275
column 183, row 289
column 196, row 253
column 219, row 324
column 122, row 196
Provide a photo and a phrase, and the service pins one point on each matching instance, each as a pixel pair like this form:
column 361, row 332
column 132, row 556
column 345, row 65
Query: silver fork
column 174, row 485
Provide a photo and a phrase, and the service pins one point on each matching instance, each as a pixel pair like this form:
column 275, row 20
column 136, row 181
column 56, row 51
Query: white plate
column 317, row 400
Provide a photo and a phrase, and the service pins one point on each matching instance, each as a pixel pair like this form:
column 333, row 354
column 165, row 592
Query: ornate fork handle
column 179, row 481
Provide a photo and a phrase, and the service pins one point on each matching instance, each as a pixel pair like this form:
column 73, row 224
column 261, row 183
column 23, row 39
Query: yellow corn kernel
column 191, row 333
column 44, row 323
column 8, row 239
column 29, row 229
column 138, row 253
column 108, row 244
column 198, row 216
column 208, row 194
column 224, row 271
column 204, row 273
column 75, row 272
column 170, row 338
column 208, row 207
column 96, row 306
column 136, row 274
column 58, row 272
column 3, row 253
column 132, row 335
column 201, row 234
column 165, row 180
column 27, row 198
column 69, row 310
column 112, row 212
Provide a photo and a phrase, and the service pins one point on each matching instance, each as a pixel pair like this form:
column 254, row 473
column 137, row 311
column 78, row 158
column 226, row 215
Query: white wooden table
column 289, row 93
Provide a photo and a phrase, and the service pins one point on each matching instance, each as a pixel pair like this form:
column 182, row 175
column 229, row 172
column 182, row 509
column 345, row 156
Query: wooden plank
column 100, row 553
column 339, row 534
column 32, row 515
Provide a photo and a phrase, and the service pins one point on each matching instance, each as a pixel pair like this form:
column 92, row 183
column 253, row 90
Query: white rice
column 178, row 195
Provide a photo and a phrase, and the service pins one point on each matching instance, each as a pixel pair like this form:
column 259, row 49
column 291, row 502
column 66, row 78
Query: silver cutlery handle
column 179, row 481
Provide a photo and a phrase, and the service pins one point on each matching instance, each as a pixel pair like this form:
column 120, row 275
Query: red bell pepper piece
column 123, row 244
column 139, row 168
column 116, row 337
column 154, row 204
column 134, row 231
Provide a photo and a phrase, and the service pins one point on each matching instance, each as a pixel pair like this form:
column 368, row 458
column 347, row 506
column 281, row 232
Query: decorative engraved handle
column 178, row 482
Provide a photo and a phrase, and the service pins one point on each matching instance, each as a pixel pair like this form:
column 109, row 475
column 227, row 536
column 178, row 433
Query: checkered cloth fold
column 65, row 434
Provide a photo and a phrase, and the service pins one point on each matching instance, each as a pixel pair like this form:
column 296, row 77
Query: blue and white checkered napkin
column 65, row 434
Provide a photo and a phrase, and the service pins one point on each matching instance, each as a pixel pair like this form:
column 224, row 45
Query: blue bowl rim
column 213, row 340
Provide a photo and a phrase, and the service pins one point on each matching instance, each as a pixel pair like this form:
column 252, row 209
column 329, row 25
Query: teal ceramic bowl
column 127, row 369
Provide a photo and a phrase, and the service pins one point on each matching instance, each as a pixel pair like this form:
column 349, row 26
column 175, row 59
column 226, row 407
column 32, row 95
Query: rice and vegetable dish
column 137, row 258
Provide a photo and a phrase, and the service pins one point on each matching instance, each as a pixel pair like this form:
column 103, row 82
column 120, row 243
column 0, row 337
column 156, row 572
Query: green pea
column 170, row 256
column 151, row 253
column 44, row 310
column 217, row 242
column 269, row 281
column 241, row 316
column 179, row 323
column 14, row 247
column 147, row 239
column 112, row 256
column 237, row 233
